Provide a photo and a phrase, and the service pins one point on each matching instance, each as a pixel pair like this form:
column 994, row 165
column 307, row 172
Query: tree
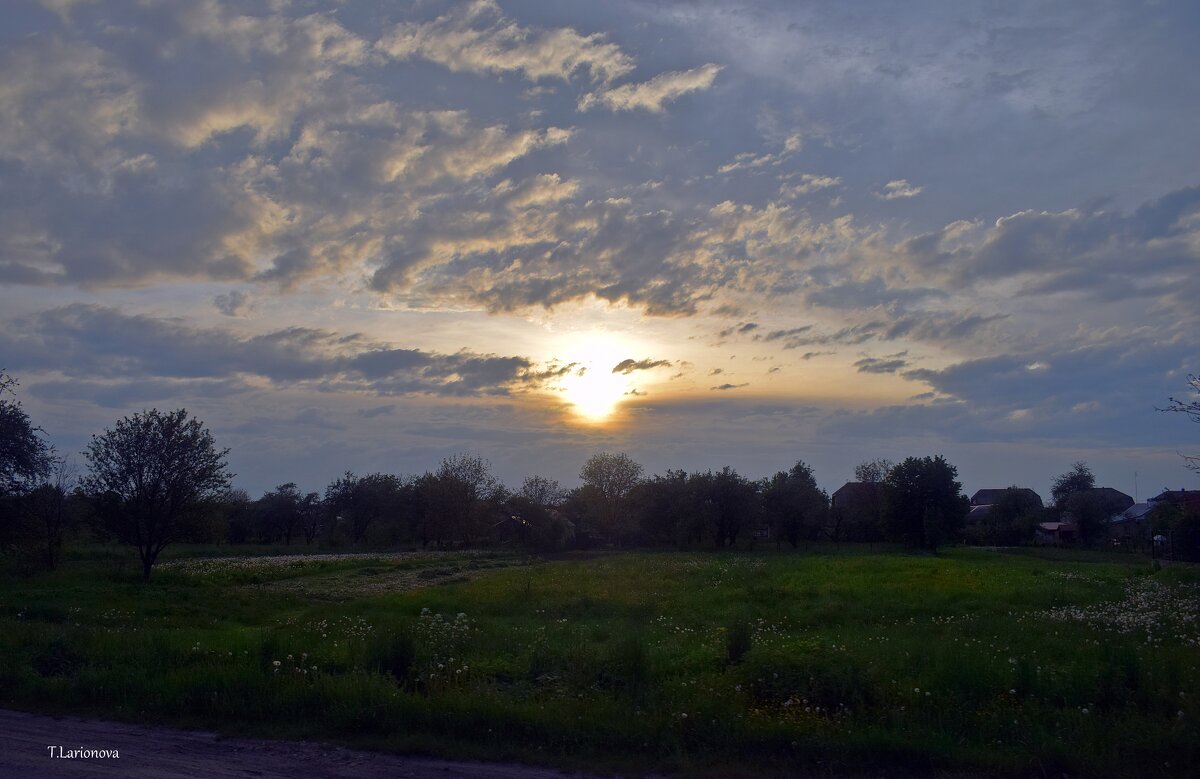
column 156, row 469
column 730, row 502
column 51, row 509
column 873, row 471
column 1190, row 409
column 607, row 481
column 363, row 501
column 794, row 504
column 1079, row 479
column 1012, row 518
column 279, row 513
column 24, row 457
column 923, row 504
column 463, row 491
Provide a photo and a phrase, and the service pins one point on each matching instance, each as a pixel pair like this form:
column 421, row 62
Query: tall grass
column 971, row 661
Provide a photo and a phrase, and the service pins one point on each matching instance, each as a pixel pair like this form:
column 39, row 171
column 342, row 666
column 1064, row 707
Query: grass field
column 838, row 663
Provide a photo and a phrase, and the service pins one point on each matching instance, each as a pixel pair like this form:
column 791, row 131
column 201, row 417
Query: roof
column 991, row 496
column 1134, row 513
column 1116, row 500
column 1177, row 496
column 857, row 490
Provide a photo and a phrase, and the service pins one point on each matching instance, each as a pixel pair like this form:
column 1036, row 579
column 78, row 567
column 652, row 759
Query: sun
column 591, row 387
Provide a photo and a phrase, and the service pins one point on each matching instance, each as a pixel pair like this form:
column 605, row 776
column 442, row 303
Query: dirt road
column 161, row 753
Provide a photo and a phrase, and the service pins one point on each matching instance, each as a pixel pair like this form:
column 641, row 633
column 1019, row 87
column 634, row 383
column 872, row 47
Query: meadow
column 832, row 662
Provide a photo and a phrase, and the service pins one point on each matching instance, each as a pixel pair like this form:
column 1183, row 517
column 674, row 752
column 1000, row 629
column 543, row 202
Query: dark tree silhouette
column 153, row 471
column 1079, row 479
column 923, row 504
column 794, row 504
column 24, row 457
column 608, row 480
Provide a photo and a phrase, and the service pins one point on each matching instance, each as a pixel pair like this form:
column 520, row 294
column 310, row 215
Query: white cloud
column 477, row 38
column 652, row 95
column 897, row 189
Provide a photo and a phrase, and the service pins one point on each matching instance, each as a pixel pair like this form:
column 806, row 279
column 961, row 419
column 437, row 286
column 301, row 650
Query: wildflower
column 275, row 663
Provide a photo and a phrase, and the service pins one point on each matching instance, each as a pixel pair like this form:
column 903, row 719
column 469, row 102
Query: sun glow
column 591, row 387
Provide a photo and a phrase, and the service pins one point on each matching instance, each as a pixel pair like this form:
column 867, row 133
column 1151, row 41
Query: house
column 990, row 497
column 857, row 509
column 1113, row 501
column 1055, row 532
column 983, row 501
column 1133, row 522
column 1179, row 497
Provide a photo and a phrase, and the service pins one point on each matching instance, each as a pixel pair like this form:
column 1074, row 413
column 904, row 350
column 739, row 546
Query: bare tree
column 152, row 471
column 873, row 471
column 1191, row 409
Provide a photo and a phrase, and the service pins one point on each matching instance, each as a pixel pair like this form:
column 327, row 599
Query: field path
column 163, row 753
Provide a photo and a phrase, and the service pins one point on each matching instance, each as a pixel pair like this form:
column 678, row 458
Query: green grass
column 851, row 663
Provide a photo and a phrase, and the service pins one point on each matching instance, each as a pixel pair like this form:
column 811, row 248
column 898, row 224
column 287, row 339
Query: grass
column 854, row 662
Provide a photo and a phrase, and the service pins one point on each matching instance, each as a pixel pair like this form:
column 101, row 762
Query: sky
column 369, row 235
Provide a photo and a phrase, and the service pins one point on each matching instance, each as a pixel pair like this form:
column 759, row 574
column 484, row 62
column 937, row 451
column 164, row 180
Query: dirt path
column 162, row 753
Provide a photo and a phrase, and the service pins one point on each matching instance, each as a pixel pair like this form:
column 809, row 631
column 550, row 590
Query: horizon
column 365, row 237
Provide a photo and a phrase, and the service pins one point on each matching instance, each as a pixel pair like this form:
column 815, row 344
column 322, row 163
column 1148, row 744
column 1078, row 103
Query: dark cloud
column 723, row 387
column 630, row 365
column 97, row 342
column 889, row 364
column 234, row 303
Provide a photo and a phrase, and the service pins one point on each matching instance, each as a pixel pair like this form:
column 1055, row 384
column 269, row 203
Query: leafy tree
column 667, row 509
column 279, row 513
column 238, row 511
column 794, row 505
column 362, row 501
column 156, row 469
column 923, row 504
column 731, row 502
column 1079, row 479
column 463, row 492
column 51, row 510
column 24, row 457
column 312, row 511
column 608, row 480
column 1090, row 513
column 873, row 471
column 1012, row 518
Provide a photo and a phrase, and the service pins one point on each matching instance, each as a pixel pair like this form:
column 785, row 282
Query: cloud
column 235, row 303
column 725, row 387
column 652, row 95
column 628, row 366
column 889, row 364
column 104, row 344
column 806, row 184
column 478, row 38
column 899, row 188
column 1150, row 252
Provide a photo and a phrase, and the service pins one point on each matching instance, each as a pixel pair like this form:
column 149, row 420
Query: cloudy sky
column 367, row 235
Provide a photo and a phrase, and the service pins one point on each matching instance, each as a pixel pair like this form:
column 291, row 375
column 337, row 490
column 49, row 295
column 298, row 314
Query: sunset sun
column 592, row 387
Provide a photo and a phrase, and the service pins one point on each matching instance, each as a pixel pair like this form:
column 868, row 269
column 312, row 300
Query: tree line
column 157, row 478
